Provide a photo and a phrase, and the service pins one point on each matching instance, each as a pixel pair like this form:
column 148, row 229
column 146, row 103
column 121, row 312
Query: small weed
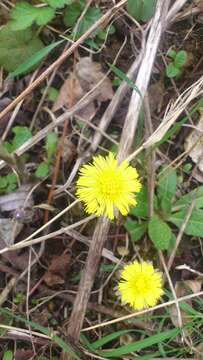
column 8, row 355
column 177, row 61
column 50, row 147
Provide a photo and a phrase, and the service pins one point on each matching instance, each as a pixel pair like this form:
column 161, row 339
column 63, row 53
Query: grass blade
column 34, row 59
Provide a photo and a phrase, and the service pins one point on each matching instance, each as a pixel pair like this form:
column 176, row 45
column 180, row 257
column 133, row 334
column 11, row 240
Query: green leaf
column 159, row 232
column 185, row 200
column 135, row 229
column 91, row 16
column 108, row 338
column 8, row 355
column 123, row 76
column 16, row 47
column 42, row 170
column 11, row 178
column 180, row 59
column 172, row 71
column 102, row 34
column 11, row 187
column 167, row 182
column 59, row 3
column 171, row 53
column 141, row 209
column 34, row 59
column 22, row 134
column 142, row 344
column 194, row 226
column 141, row 9
column 51, row 144
column 166, row 187
column 23, row 15
column 3, row 182
column 72, row 13
column 52, row 93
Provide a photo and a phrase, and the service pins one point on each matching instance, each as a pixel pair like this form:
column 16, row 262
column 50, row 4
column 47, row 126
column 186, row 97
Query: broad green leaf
column 8, row 355
column 16, row 47
column 141, row 344
column 42, row 170
column 167, row 182
column 135, row 229
column 72, row 13
column 22, row 134
column 11, row 187
column 172, row 71
column 194, row 195
column 166, row 187
column 141, row 209
column 180, row 59
column 3, row 182
column 11, row 178
column 194, row 226
column 159, row 232
column 141, row 9
column 91, row 16
column 51, row 144
column 171, row 244
column 59, row 3
column 23, row 15
column 34, row 59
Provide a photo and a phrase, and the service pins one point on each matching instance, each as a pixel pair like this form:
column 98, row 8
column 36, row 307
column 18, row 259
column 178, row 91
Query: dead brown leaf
column 156, row 96
column 51, row 279
column 196, row 153
column 199, row 4
column 60, row 264
column 183, row 288
column 57, row 270
column 84, row 78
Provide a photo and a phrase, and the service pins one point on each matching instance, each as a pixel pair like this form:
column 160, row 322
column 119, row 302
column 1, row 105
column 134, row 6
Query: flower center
column 110, row 185
column 142, row 283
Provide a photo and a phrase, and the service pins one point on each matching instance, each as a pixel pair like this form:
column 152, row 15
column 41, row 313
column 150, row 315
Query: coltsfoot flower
column 105, row 185
column 141, row 286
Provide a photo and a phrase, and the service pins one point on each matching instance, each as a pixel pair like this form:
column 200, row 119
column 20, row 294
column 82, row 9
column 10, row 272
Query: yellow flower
column 141, row 286
column 106, row 185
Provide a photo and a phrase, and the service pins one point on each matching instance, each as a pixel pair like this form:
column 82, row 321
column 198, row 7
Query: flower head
column 106, row 185
column 141, row 286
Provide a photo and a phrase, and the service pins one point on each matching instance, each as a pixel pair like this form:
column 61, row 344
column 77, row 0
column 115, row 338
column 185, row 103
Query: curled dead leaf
column 57, row 270
column 122, row 250
column 86, row 75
